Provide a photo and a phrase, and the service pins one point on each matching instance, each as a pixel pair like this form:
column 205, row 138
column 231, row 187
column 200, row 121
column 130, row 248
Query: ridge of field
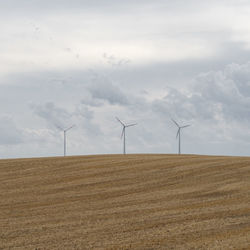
column 125, row 202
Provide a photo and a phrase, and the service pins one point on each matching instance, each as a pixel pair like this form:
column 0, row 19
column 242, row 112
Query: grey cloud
column 215, row 96
column 9, row 133
column 214, row 104
column 240, row 75
column 84, row 118
column 56, row 116
column 60, row 118
column 174, row 104
column 180, row 73
column 103, row 89
column 89, row 100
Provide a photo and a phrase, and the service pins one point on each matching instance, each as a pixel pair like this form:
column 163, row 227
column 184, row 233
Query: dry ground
column 123, row 202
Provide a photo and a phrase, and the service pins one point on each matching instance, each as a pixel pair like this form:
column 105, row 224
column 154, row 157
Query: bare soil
column 125, row 202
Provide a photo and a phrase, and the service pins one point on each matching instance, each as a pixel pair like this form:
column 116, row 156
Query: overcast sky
column 84, row 62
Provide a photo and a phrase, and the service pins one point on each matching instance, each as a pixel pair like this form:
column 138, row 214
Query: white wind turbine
column 179, row 133
column 124, row 133
column 64, row 137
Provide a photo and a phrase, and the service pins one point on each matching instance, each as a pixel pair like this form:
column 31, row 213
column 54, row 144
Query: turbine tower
column 64, row 137
column 179, row 133
column 124, row 133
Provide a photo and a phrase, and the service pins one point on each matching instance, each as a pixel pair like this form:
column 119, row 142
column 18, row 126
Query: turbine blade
column 123, row 130
column 130, row 125
column 120, row 121
column 185, row 126
column 175, row 123
column 178, row 132
column 69, row 128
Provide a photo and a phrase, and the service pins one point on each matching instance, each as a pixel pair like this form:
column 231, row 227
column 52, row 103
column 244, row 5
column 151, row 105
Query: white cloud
column 145, row 33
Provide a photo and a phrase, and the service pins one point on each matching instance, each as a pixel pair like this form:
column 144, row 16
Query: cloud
column 60, row 118
column 146, row 32
column 10, row 134
column 84, row 118
column 227, row 90
column 115, row 62
column 102, row 89
column 151, row 61
column 53, row 115
column 216, row 96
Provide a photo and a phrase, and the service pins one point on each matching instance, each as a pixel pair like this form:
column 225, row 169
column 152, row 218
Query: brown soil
column 125, row 202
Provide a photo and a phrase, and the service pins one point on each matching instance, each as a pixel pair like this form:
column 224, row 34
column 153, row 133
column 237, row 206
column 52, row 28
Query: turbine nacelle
column 66, row 129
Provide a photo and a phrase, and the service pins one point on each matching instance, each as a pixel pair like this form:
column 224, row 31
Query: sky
column 85, row 62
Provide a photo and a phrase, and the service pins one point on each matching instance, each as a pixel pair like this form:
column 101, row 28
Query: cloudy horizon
column 86, row 62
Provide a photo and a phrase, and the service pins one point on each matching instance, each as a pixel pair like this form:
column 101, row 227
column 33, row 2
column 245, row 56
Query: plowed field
column 125, row 202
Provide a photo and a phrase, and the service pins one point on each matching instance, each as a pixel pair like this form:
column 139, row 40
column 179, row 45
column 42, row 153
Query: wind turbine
column 179, row 133
column 64, row 137
column 124, row 133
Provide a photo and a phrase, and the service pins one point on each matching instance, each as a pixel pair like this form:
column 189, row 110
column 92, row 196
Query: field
column 125, row 202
